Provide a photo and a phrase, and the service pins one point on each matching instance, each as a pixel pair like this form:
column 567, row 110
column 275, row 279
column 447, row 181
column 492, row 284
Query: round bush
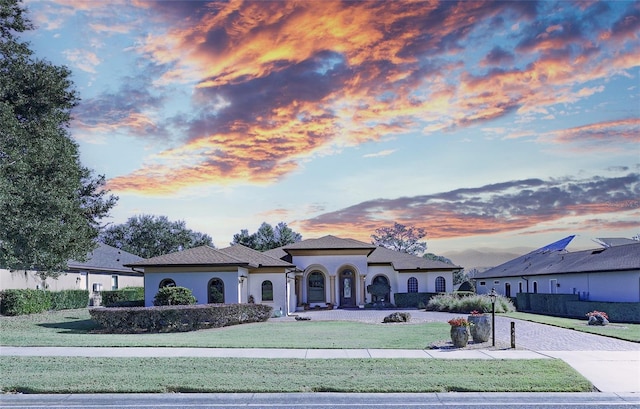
column 174, row 296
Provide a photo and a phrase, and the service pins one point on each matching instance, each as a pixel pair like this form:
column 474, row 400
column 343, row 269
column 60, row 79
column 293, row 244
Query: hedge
column 28, row 301
column 617, row 311
column 569, row 305
column 178, row 318
column 126, row 297
column 412, row 300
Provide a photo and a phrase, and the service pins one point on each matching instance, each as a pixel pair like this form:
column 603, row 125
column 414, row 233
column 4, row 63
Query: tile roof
column 405, row 261
column 276, row 253
column 197, row 256
column 616, row 258
column 329, row 243
column 254, row 257
column 105, row 258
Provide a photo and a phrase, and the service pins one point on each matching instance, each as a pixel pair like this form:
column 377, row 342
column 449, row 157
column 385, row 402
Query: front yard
column 86, row 375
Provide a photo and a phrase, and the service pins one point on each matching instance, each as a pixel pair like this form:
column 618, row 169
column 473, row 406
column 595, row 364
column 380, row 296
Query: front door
column 347, row 289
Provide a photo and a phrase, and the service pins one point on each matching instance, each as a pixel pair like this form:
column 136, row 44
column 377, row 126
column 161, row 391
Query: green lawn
column 627, row 332
column 73, row 328
column 129, row 375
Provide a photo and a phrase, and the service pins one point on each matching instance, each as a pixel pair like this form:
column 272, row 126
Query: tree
column 150, row 236
column 431, row 256
column 267, row 237
column 401, row 238
column 50, row 205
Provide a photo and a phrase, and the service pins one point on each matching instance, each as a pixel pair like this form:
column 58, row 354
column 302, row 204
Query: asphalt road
column 327, row 400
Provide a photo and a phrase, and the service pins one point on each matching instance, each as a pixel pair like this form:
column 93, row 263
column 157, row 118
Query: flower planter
column 460, row 336
column 480, row 327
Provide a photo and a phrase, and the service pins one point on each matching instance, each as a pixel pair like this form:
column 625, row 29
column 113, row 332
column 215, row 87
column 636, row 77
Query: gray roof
column 329, row 243
column 404, row 261
column 254, row 257
column 613, row 241
column 197, row 256
column 105, row 258
column 616, row 258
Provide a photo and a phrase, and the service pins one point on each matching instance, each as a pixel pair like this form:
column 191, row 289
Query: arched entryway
column 215, row 291
column 315, row 287
column 381, row 282
column 347, row 288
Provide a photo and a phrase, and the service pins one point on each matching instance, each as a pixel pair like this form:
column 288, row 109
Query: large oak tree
column 267, row 237
column 50, row 205
column 401, row 238
column 150, row 236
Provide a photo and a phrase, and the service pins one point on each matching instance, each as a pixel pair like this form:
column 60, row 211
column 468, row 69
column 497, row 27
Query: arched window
column 520, row 286
column 215, row 291
column 167, row 282
column 412, row 285
column 535, row 287
column 315, row 287
column 267, row 290
column 441, row 285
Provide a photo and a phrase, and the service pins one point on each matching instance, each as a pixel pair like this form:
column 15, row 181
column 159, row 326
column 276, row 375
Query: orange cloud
column 310, row 78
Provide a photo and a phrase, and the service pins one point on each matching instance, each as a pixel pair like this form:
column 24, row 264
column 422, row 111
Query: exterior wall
column 622, row 286
column 618, row 286
column 72, row 280
column 105, row 280
column 19, row 280
column 426, row 281
column 331, row 266
column 278, row 280
column 197, row 281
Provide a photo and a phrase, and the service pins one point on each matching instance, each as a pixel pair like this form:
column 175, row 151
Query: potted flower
column 459, row 332
column 598, row 318
column 480, row 326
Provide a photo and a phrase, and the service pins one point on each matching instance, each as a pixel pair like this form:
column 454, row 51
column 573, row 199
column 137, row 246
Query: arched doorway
column 215, row 291
column 347, row 289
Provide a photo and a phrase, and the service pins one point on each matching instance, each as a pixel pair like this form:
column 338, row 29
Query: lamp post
column 492, row 296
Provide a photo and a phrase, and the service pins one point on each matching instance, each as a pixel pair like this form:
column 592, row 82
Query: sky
column 490, row 124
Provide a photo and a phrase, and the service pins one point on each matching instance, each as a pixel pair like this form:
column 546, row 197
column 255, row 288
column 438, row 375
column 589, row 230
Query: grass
column 153, row 375
column 73, row 328
column 627, row 332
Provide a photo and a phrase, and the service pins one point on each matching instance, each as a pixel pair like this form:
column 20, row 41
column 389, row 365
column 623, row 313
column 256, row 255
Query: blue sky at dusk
column 490, row 124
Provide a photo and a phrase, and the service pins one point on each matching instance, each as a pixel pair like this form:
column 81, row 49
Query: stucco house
column 610, row 273
column 103, row 270
column 313, row 272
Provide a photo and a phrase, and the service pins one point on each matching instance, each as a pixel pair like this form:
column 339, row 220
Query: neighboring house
column 610, row 273
column 103, row 270
column 316, row 272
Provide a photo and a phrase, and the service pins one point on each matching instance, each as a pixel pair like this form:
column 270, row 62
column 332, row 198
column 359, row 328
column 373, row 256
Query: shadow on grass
column 72, row 327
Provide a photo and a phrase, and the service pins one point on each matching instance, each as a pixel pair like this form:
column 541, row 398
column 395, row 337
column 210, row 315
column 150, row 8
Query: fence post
column 513, row 334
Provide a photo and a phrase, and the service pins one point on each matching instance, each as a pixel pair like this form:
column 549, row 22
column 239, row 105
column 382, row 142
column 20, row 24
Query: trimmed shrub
column 174, row 296
column 126, row 297
column 468, row 303
column 178, row 318
column 28, row 301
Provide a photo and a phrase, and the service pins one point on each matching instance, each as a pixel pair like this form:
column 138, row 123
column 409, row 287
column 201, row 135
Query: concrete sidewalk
column 608, row 371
